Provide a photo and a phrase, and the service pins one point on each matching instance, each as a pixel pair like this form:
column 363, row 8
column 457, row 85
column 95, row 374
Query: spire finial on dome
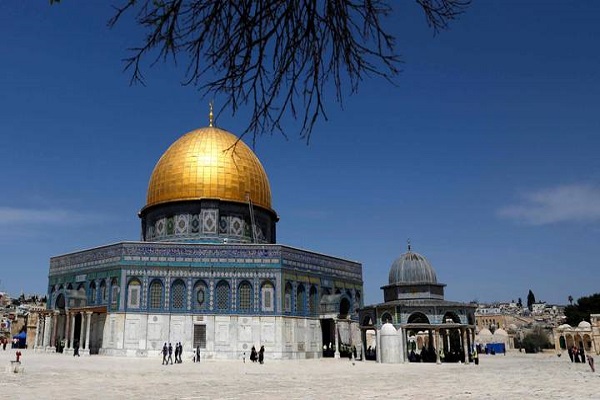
column 408, row 243
column 210, row 115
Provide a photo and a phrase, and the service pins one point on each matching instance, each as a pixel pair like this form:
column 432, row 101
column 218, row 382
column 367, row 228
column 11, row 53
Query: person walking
column 165, row 351
column 198, row 354
column 76, row 349
column 170, row 358
column 253, row 355
column 261, row 354
column 180, row 352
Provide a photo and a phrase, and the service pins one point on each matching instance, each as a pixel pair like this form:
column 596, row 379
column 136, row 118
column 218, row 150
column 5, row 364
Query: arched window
column 313, row 300
column 52, row 295
column 133, row 293
column 344, row 307
column 114, row 293
column 357, row 299
column 245, row 297
column 300, row 299
column 267, row 297
column 178, row 297
column 386, row 317
column 451, row 317
column 155, row 298
column 222, row 296
column 103, row 292
column 93, row 292
column 418, row 318
column 60, row 302
column 288, row 297
column 200, row 296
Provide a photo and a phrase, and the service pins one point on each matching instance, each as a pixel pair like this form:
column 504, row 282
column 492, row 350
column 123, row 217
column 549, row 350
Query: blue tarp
column 495, row 348
column 22, row 338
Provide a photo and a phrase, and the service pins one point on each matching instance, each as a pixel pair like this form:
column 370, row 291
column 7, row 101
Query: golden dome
column 209, row 163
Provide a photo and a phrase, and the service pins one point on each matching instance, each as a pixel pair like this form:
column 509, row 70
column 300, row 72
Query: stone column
column 37, row 332
column 86, row 348
column 53, row 338
column 378, row 345
column 402, row 333
column 67, row 331
column 81, row 331
column 436, row 336
column 71, row 334
column 469, row 340
column 336, row 354
column 465, row 344
column 46, row 337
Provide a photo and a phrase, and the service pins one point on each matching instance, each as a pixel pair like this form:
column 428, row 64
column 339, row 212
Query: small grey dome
column 411, row 268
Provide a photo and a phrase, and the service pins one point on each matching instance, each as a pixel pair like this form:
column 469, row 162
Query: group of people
column 577, row 355
column 167, row 352
column 257, row 357
column 14, row 343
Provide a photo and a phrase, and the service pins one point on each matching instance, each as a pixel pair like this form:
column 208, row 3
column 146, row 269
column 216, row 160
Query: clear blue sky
column 485, row 154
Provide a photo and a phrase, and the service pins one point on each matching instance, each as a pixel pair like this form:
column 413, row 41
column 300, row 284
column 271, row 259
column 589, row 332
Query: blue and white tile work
column 139, row 288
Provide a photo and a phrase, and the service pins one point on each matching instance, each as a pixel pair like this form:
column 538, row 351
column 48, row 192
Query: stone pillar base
column 84, row 352
column 68, row 351
column 50, row 349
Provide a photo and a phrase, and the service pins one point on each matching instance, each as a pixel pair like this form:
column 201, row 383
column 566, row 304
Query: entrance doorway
column 328, row 335
column 77, row 330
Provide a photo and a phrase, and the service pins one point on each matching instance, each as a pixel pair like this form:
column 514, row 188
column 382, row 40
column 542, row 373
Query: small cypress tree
column 530, row 300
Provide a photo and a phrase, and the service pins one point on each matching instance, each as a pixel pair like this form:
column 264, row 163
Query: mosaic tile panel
column 237, row 226
column 181, row 224
column 195, row 223
column 223, row 225
column 209, row 221
column 170, row 225
column 161, row 227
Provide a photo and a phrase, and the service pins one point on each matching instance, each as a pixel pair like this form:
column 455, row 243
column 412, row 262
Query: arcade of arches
column 584, row 336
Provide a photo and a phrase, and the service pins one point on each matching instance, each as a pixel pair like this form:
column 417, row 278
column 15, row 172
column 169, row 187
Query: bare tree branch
column 277, row 57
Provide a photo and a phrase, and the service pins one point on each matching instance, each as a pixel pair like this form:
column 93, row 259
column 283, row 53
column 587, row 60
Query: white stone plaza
column 514, row 376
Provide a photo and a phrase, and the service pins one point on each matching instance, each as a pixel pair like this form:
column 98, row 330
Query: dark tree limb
column 276, row 56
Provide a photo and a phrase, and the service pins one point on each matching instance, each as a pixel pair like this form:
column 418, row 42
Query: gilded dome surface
column 411, row 267
column 209, row 163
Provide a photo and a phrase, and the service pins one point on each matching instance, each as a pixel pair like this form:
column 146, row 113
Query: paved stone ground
column 514, row 376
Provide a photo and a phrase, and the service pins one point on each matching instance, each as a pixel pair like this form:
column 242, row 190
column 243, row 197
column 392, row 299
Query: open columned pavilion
column 415, row 323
